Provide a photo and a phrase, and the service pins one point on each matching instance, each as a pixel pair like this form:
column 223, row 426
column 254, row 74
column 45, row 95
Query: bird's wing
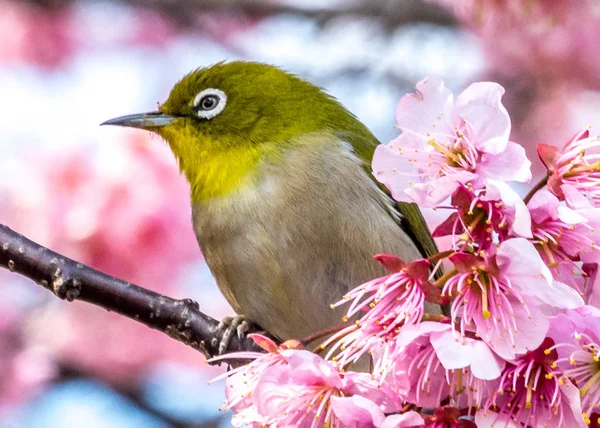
column 414, row 224
column 410, row 219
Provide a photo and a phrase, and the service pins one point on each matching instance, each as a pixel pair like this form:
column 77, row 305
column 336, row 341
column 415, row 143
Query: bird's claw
column 225, row 330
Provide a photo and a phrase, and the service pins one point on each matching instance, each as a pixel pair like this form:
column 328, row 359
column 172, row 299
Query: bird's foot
column 225, row 330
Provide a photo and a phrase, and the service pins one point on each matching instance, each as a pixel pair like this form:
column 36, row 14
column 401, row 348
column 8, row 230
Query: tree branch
column 70, row 280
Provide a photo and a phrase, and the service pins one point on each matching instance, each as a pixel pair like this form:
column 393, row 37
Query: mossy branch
column 69, row 280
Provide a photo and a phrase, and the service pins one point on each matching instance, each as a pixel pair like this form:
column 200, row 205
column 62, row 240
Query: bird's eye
column 209, row 103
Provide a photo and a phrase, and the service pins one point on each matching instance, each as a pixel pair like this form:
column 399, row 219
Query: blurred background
column 113, row 198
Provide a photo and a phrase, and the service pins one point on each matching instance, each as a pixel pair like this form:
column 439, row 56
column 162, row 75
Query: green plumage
column 265, row 104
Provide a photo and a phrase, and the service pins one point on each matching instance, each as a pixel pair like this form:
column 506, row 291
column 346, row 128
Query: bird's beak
column 155, row 119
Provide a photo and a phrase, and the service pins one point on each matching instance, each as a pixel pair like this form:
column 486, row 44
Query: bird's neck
column 221, row 173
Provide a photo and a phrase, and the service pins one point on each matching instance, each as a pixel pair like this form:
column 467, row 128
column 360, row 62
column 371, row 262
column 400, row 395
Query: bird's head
column 220, row 121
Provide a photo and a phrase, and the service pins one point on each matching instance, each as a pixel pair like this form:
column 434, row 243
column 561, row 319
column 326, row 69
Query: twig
column 70, row 280
column 322, row 333
column 539, row 186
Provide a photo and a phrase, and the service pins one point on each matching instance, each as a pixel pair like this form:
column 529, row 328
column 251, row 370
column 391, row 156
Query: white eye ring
column 204, row 111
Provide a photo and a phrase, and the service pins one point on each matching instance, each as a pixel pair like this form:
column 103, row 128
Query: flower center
column 584, row 371
column 486, row 300
column 461, row 153
column 552, row 237
column 532, row 386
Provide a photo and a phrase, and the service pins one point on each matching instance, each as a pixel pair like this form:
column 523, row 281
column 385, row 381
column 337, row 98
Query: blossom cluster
column 517, row 343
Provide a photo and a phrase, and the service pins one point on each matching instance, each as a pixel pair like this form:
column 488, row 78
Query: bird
column 285, row 208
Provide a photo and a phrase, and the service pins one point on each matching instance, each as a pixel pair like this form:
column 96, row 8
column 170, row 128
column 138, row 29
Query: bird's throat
column 220, row 174
column 214, row 167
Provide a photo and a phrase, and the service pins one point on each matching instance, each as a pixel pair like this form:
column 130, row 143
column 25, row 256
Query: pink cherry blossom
column 565, row 234
column 539, row 48
column 485, row 217
column 577, row 165
column 444, row 144
column 242, row 381
column 389, row 303
column 438, row 366
column 577, row 337
column 302, row 393
column 501, row 296
column 534, row 389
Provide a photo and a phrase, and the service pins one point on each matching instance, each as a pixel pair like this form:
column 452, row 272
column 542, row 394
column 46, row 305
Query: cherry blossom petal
column 576, row 164
column 264, row 342
column 481, row 107
column 357, row 412
column 426, row 111
column 393, row 168
column 519, row 260
column 559, row 296
column 405, row 420
column 485, row 364
column 489, row 419
column 498, row 190
column 273, row 389
column 389, row 400
column 308, row 368
column 248, row 417
column 543, row 206
column 433, row 192
column 574, row 198
column 392, row 263
column 510, row 165
column 464, row 352
column 453, row 352
column 234, row 386
column 548, row 155
column 572, row 415
column 569, row 216
column 411, row 332
column 534, row 326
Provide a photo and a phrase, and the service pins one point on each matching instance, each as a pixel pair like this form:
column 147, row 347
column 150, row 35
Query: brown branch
column 539, row 186
column 70, row 280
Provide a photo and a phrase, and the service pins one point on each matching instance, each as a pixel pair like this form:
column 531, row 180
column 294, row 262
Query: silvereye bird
column 285, row 208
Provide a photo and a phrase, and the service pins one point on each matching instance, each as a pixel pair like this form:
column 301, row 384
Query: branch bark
column 69, row 280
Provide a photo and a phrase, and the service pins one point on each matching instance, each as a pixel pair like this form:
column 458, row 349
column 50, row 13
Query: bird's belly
column 284, row 275
column 279, row 286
